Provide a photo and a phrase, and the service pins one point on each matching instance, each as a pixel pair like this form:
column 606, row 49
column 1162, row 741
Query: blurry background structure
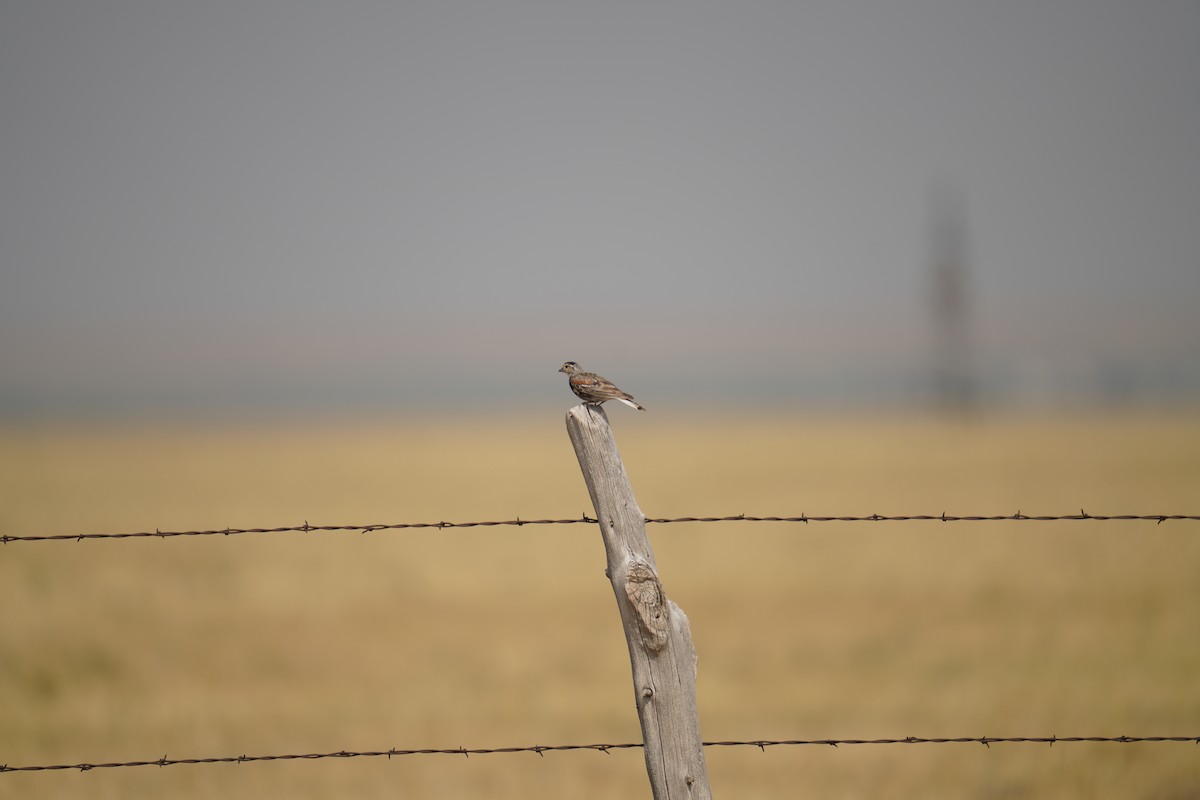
column 228, row 207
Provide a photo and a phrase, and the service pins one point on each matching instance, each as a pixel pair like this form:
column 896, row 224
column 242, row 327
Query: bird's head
column 569, row 367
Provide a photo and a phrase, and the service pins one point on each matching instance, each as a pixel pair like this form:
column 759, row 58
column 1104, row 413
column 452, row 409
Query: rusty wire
column 761, row 744
column 802, row 518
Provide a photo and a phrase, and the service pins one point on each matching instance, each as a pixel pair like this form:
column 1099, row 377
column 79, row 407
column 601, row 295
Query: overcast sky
column 247, row 203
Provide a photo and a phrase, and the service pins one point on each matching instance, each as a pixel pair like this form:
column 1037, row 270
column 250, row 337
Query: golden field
column 490, row 637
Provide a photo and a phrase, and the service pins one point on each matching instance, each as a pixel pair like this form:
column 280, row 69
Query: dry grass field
column 488, row 637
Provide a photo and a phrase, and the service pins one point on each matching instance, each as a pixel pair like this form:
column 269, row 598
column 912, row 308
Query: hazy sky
column 232, row 203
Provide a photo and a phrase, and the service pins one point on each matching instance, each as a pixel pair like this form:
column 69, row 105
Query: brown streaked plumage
column 594, row 389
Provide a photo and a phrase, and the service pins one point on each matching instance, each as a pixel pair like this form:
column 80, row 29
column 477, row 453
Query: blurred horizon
column 173, row 372
column 229, row 208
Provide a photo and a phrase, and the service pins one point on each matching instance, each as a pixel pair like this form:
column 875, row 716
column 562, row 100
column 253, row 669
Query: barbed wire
column 761, row 744
column 585, row 519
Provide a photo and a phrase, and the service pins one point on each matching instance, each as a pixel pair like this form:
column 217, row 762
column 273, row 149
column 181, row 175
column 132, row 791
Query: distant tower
column 953, row 384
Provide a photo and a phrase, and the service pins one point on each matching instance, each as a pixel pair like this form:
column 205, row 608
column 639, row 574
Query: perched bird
column 594, row 389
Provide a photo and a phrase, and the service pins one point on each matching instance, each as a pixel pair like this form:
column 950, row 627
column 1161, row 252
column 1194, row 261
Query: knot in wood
column 646, row 594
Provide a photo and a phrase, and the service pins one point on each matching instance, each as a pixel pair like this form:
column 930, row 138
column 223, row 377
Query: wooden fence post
column 656, row 630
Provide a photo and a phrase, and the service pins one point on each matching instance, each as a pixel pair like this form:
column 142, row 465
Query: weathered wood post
column 656, row 630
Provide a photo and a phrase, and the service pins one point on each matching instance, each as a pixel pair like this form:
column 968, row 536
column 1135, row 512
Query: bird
column 594, row 389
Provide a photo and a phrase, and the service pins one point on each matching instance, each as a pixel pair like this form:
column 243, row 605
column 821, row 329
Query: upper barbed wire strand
column 585, row 519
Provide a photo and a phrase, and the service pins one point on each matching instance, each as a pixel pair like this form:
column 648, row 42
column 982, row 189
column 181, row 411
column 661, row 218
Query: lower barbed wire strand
column 762, row 744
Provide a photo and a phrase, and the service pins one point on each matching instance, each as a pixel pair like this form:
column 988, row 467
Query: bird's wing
column 590, row 381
